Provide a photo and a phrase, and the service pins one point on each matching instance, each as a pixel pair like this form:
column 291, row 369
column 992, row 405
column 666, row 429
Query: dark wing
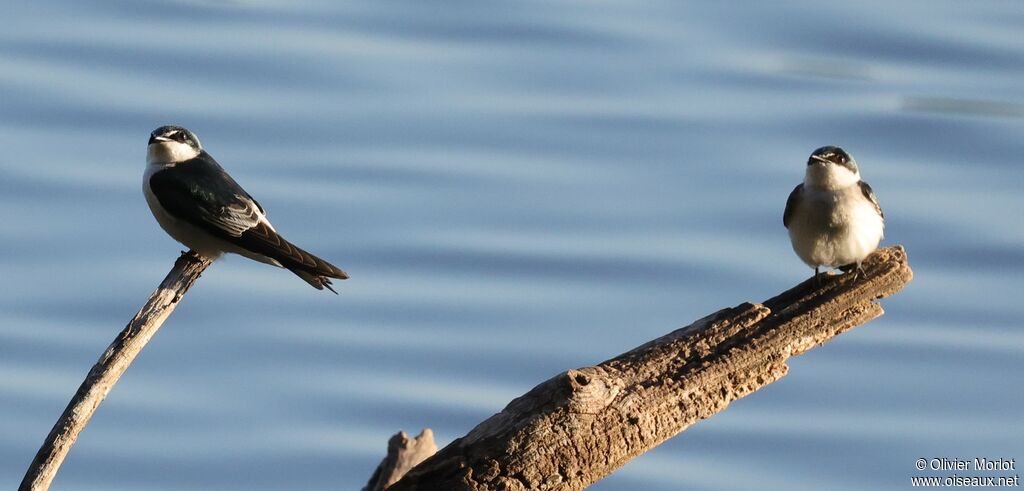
column 263, row 239
column 870, row 195
column 199, row 192
column 791, row 204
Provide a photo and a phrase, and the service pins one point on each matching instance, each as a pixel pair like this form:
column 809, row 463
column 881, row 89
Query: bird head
column 172, row 144
column 830, row 167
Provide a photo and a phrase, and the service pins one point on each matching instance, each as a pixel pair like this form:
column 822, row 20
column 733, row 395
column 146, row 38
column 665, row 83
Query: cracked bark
column 582, row 424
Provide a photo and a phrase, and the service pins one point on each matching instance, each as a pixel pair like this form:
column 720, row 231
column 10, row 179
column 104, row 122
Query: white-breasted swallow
column 202, row 207
column 833, row 217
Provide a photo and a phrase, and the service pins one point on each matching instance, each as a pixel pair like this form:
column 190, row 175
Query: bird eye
column 178, row 136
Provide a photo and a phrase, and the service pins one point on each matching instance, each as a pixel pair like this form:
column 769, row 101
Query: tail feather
column 319, row 275
column 313, row 270
column 317, row 281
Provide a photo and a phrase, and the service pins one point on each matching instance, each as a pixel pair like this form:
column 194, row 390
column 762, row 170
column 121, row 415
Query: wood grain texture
column 105, row 373
column 582, row 424
column 404, row 453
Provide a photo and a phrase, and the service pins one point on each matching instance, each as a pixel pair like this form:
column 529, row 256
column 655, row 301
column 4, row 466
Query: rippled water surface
column 516, row 188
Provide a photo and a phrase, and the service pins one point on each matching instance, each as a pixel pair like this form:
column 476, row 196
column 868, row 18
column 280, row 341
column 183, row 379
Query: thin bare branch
column 105, row 373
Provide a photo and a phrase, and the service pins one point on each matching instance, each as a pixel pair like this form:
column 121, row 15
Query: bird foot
column 856, row 268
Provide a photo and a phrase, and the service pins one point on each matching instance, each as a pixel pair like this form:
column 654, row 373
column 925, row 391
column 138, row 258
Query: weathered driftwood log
column 404, row 453
column 579, row 426
column 108, row 370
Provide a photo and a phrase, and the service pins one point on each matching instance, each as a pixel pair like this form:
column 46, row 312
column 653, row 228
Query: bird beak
column 820, row 159
column 153, row 139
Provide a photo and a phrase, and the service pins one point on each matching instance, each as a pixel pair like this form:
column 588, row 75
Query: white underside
column 834, row 228
column 191, row 236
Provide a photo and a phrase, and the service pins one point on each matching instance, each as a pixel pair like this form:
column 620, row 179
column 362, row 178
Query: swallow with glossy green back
column 833, row 217
column 201, row 206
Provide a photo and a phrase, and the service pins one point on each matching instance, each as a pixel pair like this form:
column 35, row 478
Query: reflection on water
column 963, row 107
column 515, row 191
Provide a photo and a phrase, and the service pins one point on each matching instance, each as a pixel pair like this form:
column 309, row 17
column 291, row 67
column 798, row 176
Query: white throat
column 830, row 177
column 169, row 152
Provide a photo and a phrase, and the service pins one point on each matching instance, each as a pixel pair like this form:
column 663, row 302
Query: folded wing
column 199, row 192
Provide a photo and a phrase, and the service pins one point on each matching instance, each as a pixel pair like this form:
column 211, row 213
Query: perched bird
column 201, row 206
column 833, row 217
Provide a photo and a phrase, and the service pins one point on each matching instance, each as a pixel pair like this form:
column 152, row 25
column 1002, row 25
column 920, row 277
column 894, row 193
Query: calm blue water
column 516, row 189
